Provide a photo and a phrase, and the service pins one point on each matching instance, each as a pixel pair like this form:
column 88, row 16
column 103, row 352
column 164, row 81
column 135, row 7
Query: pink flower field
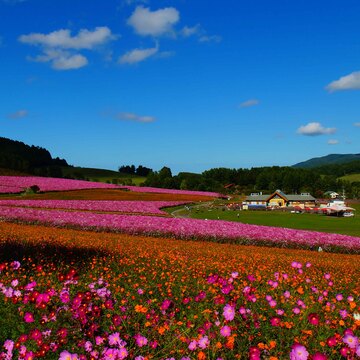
column 142, row 207
column 16, row 184
column 184, row 228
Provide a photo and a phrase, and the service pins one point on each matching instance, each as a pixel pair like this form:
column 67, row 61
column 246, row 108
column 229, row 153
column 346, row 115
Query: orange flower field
column 86, row 295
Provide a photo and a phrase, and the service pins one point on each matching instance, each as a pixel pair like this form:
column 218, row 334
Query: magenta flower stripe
column 142, row 207
column 183, row 228
column 15, row 184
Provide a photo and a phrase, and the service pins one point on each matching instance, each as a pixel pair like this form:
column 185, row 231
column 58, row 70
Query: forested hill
column 332, row 159
column 16, row 155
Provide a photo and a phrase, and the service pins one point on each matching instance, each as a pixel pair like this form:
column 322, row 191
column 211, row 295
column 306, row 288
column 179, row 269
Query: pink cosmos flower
column 229, row 312
column 339, row 297
column 313, row 319
column 88, row 346
column 15, row 265
column 225, row 331
column 298, row 352
column 319, row 356
column 99, row 340
column 192, row 346
column 29, row 355
column 296, row 310
column 343, row 313
column 30, row 285
column 141, row 340
column 64, row 296
column 272, row 303
column 9, row 345
column 351, row 341
column 65, row 355
column 275, row 321
column 204, row 342
column 114, row 339
column 110, row 354
column 254, row 353
column 287, row 294
column 28, row 317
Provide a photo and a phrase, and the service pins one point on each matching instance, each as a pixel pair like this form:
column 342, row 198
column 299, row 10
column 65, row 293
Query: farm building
column 280, row 199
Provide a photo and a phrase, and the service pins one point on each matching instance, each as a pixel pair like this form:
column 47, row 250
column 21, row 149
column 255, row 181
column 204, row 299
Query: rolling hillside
column 330, row 159
column 102, row 175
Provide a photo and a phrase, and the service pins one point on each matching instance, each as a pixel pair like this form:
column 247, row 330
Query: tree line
column 34, row 160
column 266, row 179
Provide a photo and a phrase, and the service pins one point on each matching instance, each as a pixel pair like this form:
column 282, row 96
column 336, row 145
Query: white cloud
column 200, row 33
column 154, row 23
column 165, row 54
column 187, row 31
column 333, row 142
column 68, row 62
column 357, row 124
column 13, row 1
column 85, row 39
column 131, row 2
column 61, row 49
column 135, row 117
column 249, row 103
column 314, row 129
column 18, row 114
column 137, row 55
column 210, row 38
column 348, row 82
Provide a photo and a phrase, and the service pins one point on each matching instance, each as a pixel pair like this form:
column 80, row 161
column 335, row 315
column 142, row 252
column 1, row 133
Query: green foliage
column 16, row 155
column 131, row 170
column 33, row 189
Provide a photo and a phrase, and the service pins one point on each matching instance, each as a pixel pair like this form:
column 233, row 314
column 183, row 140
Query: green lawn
column 351, row 178
column 341, row 225
column 102, row 175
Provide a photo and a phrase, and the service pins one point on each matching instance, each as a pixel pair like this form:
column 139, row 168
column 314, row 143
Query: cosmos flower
column 229, row 312
column 298, row 352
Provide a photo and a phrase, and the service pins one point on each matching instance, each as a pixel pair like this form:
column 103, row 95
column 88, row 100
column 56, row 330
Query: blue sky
column 186, row 84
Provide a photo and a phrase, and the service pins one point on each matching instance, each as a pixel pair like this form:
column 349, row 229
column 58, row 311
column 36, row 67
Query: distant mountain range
column 332, row 159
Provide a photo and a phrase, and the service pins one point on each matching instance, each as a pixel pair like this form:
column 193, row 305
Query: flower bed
column 140, row 301
column 20, row 183
column 186, row 228
column 144, row 207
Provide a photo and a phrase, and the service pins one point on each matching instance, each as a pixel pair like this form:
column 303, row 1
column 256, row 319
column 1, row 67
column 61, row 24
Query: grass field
column 330, row 224
column 351, row 178
column 102, row 175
